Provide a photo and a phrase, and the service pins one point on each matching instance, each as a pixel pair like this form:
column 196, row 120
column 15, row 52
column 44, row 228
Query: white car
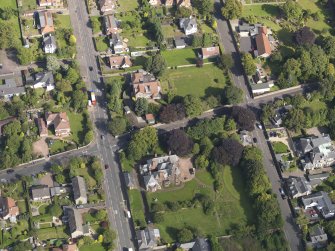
column 128, row 214
column 259, row 126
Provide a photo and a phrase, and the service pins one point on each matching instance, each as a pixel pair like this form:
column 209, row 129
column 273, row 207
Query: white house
column 188, row 25
column 44, row 80
column 49, row 44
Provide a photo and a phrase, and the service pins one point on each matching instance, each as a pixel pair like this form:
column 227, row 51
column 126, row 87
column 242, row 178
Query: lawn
column 170, row 31
column 22, row 206
column 28, row 5
column 202, row 82
column 63, row 21
column 316, row 105
column 279, row 147
column 265, row 14
column 136, row 207
column 95, row 247
column 127, row 165
column 52, row 233
column 101, row 43
column 9, row 3
column 204, row 177
column 58, row 146
column 96, row 19
column 232, row 206
column 128, row 5
column 179, row 57
column 85, row 173
column 314, row 6
column 76, row 124
column 136, row 40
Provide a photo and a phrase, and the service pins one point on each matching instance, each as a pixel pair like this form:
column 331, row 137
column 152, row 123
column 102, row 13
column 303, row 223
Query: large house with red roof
column 145, row 85
column 8, row 209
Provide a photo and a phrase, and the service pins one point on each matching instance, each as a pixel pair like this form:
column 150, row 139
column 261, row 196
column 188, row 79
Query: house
column 49, row 44
column 53, row 3
column 316, row 152
column 317, row 179
column 120, row 62
column 155, row 2
column 261, row 88
column 201, row 244
column 79, row 190
column 188, row 25
column 247, row 44
column 40, row 193
column 56, row 191
column 145, row 85
column 60, row 122
column 128, row 180
column 11, row 88
column 5, row 122
column 298, row 186
column 28, row 77
column 210, row 52
column 317, row 238
column 8, row 209
column 117, row 44
column 262, row 43
column 179, row 43
column 161, row 171
column 110, row 24
column 45, row 24
column 75, row 221
column 321, row 202
column 184, row 3
column 42, row 127
column 43, row 80
column 106, row 5
column 245, row 138
column 147, row 238
column 150, row 118
column 70, row 247
column 244, row 29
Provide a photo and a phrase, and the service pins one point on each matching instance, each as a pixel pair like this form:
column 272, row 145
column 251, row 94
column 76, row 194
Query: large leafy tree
column 52, row 63
column 172, row 112
column 232, row 9
column 244, row 118
column 117, row 126
column 290, row 73
column 141, row 106
column 193, row 105
column 180, row 143
column 232, row 95
column 248, row 64
column 305, row 36
column 228, row 153
column 204, row 7
column 156, row 64
column 142, row 143
column 292, row 10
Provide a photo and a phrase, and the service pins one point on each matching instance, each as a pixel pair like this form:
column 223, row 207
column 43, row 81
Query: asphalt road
column 116, row 197
column 227, row 39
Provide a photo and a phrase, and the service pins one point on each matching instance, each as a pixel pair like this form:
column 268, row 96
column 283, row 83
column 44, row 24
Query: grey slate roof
column 318, row 236
column 39, row 192
column 323, row 202
column 187, row 23
column 79, row 187
column 49, row 40
column 260, row 86
column 75, row 220
column 10, row 87
column 201, row 244
column 128, row 180
column 146, row 238
column 246, row 44
column 298, row 185
column 46, row 77
column 179, row 41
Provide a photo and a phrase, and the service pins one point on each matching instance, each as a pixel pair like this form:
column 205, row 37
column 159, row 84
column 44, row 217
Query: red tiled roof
column 262, row 42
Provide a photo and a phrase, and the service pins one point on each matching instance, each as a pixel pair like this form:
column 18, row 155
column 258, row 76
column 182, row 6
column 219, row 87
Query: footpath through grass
column 233, row 206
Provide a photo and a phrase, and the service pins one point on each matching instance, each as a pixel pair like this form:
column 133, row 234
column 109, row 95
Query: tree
column 141, row 106
column 248, row 64
column 292, row 10
column 60, row 178
column 179, row 143
column 142, row 143
column 72, row 75
column 19, row 246
column 328, row 44
column 156, row 64
column 244, row 118
column 229, row 153
column 55, row 210
column 204, row 7
column 79, row 100
column 227, row 61
column 6, row 13
column 295, row 119
column 305, row 36
column 196, row 41
column 193, row 106
column 172, row 112
column 158, row 218
column 182, row 11
column 201, row 161
column 207, row 40
column 117, row 126
column 100, row 215
column 7, row 39
column 25, row 55
column 232, row 9
column 290, row 73
column 232, row 95
column 72, row 40
column 52, row 63
column 184, row 235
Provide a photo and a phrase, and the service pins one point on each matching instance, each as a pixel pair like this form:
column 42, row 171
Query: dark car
column 10, row 171
column 90, row 68
column 282, row 193
column 106, row 166
column 102, row 137
column 254, row 140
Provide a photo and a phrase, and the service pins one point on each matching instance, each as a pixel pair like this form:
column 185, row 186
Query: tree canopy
column 232, row 9
column 180, row 143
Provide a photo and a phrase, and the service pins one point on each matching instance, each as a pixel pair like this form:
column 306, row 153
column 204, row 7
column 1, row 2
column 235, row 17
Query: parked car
column 259, row 126
column 128, row 214
column 10, row 171
column 102, row 136
column 254, row 140
column 282, row 193
column 106, row 166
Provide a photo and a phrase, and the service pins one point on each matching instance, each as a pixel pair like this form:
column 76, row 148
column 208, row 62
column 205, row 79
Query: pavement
column 116, row 195
column 226, row 37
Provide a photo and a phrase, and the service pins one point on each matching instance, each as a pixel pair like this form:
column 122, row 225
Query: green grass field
column 232, row 206
column 128, row 5
column 52, row 233
column 96, row 19
column 101, row 43
column 8, row 3
column 279, row 147
column 202, row 82
column 76, row 120
column 136, row 206
column 95, row 247
column 180, row 57
column 13, row 21
column 137, row 39
column 64, row 21
column 204, row 177
column 316, row 105
column 28, row 5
